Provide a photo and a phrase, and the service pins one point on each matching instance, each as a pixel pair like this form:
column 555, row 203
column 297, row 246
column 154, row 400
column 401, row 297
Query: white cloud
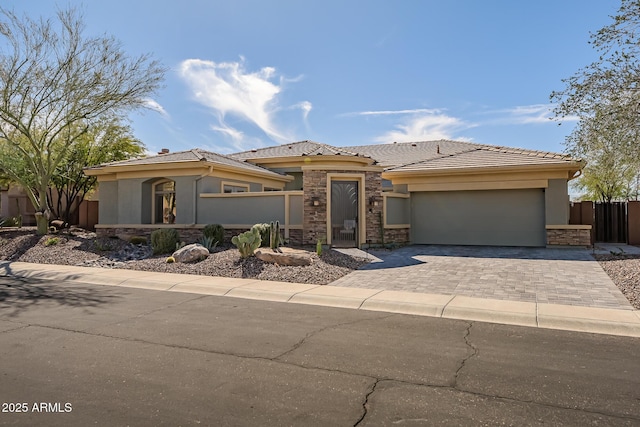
column 228, row 89
column 395, row 112
column 153, row 105
column 306, row 108
column 233, row 133
column 529, row 114
column 420, row 125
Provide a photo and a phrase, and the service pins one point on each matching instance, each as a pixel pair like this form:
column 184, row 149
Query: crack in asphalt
column 17, row 328
column 318, row 331
column 474, row 352
column 377, row 380
column 365, row 404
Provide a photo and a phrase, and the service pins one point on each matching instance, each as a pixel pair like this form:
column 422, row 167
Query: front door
column 344, row 213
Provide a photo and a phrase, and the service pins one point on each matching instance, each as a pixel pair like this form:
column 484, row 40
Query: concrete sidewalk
column 541, row 315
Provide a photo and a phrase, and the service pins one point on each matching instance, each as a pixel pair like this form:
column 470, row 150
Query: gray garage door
column 495, row 217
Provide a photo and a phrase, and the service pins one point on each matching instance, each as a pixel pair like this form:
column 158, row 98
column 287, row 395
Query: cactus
column 275, row 241
column 247, row 242
column 215, row 232
column 319, row 247
column 164, row 240
column 170, row 260
column 208, row 242
column 264, row 230
column 138, row 240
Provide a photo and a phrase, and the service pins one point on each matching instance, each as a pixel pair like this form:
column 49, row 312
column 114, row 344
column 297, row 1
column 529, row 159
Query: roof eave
column 572, row 167
column 184, row 164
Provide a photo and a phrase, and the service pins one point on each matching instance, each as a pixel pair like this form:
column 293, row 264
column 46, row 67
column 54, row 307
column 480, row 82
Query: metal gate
column 344, row 213
column 611, row 222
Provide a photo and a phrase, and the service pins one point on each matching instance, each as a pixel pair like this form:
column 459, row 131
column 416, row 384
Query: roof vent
column 253, row 150
column 438, row 148
column 163, row 151
column 395, row 142
column 414, row 145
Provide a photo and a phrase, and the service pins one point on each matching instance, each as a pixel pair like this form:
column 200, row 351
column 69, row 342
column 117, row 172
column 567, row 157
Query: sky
column 246, row 74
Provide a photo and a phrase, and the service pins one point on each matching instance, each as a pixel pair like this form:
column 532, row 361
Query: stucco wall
column 296, row 173
column 556, row 201
column 210, row 184
column 241, row 210
column 184, row 199
column 130, row 201
column 295, row 210
column 398, row 210
column 108, row 206
column 146, row 201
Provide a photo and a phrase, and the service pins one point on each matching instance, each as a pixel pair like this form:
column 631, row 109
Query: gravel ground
column 624, row 270
column 83, row 248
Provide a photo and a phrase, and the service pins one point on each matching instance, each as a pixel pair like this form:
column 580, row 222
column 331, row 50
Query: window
column 164, row 202
column 234, row 187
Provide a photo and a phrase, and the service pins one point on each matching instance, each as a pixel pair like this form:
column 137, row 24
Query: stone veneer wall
column 315, row 217
column 397, row 235
column 569, row 236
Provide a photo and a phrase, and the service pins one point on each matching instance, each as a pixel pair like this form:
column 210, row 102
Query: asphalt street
column 79, row 354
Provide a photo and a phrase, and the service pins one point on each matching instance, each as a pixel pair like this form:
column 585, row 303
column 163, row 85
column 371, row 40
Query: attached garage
column 479, row 217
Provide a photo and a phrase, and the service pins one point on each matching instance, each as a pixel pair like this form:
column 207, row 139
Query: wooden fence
column 614, row 222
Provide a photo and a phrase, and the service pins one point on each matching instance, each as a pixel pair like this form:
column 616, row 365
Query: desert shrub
column 208, row 242
column 12, row 221
column 51, row 241
column 164, row 240
column 214, row 231
column 138, row 240
column 247, row 242
column 102, row 245
column 264, row 230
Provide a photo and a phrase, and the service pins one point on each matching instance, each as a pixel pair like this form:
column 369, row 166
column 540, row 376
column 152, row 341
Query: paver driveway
column 556, row 276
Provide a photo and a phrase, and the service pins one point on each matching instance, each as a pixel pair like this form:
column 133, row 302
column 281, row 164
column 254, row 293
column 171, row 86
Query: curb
column 540, row 315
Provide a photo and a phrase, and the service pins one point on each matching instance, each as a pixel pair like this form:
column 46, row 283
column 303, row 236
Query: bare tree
column 54, row 82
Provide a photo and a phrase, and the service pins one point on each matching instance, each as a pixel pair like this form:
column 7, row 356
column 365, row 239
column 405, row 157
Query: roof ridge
column 441, row 156
column 526, row 151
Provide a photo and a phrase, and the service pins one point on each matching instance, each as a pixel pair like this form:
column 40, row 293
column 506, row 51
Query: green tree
column 605, row 96
column 105, row 141
column 54, row 84
column 612, row 170
column 614, row 78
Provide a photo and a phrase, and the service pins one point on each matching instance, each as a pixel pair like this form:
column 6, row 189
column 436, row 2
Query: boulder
column 190, row 253
column 284, row 256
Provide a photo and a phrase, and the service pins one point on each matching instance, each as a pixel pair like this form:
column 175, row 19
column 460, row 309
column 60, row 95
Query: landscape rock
column 285, row 256
column 87, row 249
column 191, row 253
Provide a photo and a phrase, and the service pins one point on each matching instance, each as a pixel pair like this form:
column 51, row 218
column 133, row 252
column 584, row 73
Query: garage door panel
column 500, row 217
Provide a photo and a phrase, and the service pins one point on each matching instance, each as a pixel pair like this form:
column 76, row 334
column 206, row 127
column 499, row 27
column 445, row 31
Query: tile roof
column 193, row 155
column 485, row 156
column 401, row 153
column 419, row 155
column 300, row 148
